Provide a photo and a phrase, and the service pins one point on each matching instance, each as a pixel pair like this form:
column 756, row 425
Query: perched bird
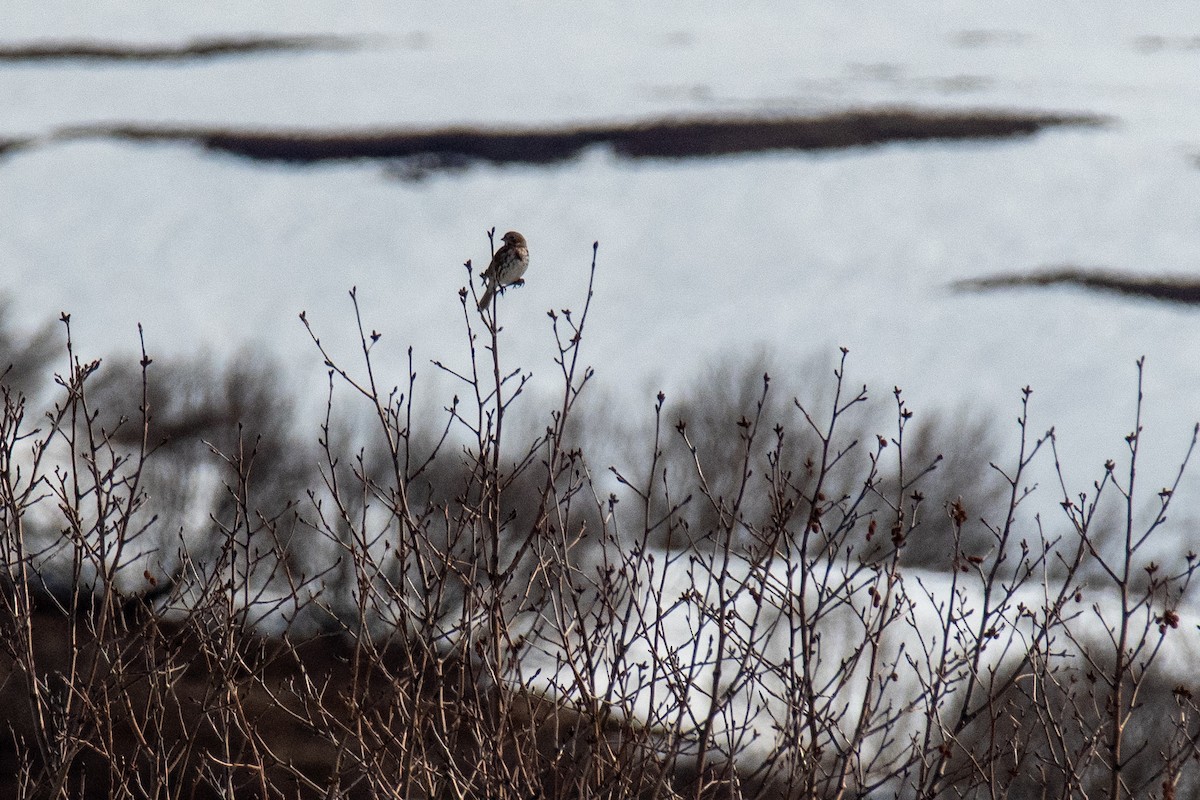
column 507, row 267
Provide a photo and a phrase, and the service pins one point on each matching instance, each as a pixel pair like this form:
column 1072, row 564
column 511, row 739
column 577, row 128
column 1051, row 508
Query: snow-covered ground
column 698, row 259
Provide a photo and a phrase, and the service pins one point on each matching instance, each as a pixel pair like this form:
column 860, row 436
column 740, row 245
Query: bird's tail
column 487, row 295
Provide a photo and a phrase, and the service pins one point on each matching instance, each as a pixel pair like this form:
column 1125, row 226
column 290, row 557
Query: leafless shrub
column 773, row 597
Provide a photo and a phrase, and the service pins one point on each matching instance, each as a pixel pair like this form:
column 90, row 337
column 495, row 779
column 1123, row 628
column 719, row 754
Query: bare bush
column 771, row 596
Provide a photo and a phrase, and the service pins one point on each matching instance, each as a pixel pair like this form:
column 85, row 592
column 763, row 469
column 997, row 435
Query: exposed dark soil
column 672, row 138
column 1175, row 289
column 311, row 703
column 197, row 48
column 11, row 144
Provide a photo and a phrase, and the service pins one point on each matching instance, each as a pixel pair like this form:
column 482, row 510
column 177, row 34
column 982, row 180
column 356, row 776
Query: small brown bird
column 508, row 265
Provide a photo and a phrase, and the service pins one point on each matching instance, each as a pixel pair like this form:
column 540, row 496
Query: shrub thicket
column 768, row 597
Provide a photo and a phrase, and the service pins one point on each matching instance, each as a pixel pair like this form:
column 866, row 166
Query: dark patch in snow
column 669, row 138
column 9, row 145
column 1174, row 289
column 1153, row 44
column 197, row 48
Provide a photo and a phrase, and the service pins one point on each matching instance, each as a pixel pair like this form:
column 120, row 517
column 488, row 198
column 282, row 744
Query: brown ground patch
column 196, row 48
column 1174, row 289
column 7, row 145
column 670, row 138
column 166, row 703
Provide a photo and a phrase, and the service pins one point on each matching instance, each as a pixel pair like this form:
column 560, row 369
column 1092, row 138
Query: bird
column 508, row 265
